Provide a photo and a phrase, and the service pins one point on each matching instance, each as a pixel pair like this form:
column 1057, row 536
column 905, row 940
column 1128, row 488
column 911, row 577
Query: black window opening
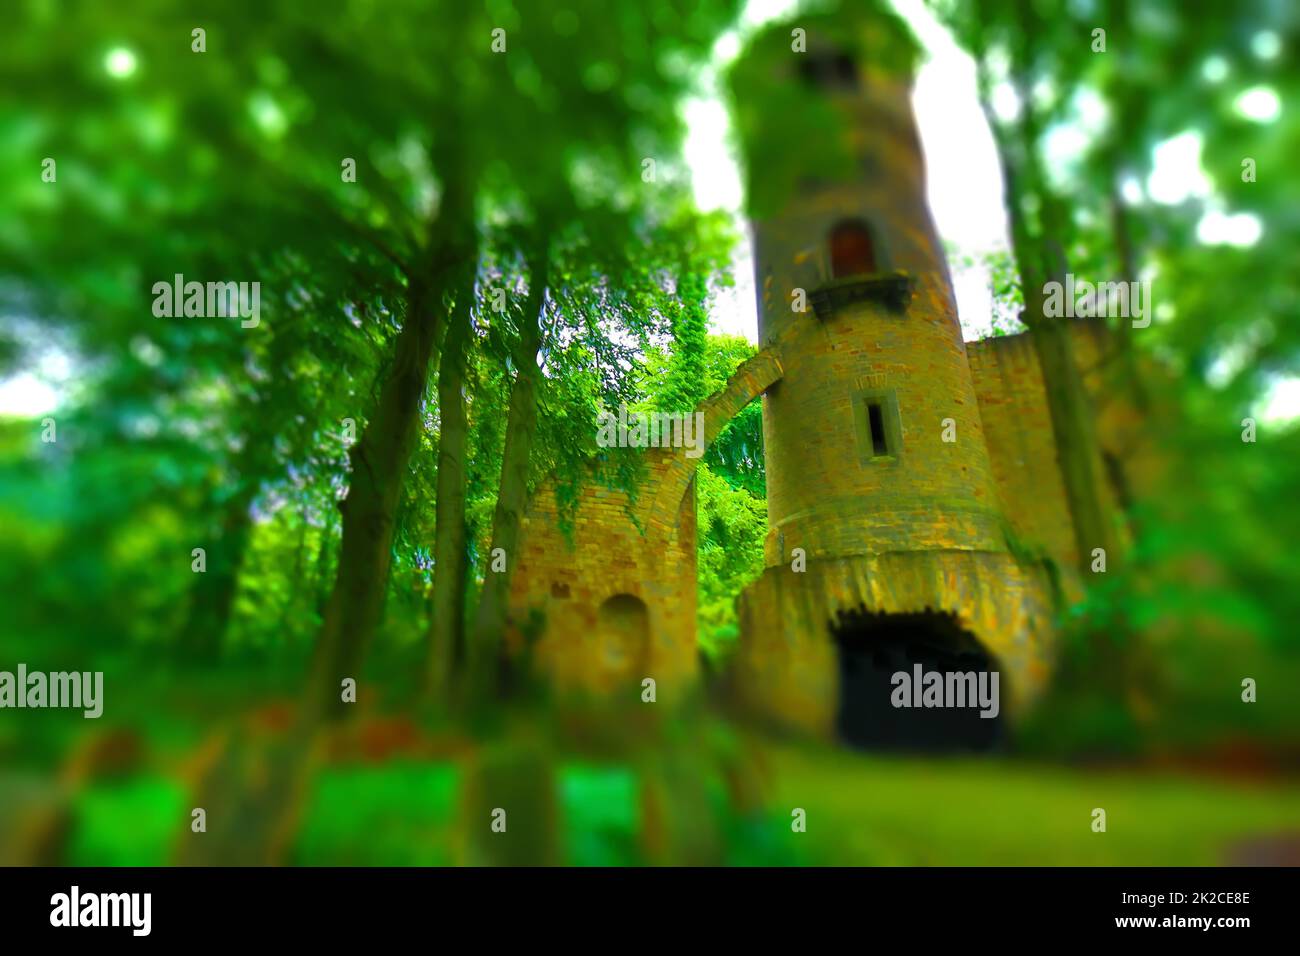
column 876, row 416
column 829, row 70
column 853, row 252
column 879, row 429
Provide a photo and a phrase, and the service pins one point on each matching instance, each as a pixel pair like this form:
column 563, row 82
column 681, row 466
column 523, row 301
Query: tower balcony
column 893, row 290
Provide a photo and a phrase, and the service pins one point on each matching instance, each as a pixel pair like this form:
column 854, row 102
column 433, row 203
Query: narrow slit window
column 876, row 419
column 878, row 427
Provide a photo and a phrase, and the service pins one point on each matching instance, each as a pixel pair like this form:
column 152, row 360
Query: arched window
column 852, row 251
column 623, row 625
column 829, row 69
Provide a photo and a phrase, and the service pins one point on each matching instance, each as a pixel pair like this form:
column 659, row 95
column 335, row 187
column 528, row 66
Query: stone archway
column 752, row 378
column 879, row 710
column 562, row 582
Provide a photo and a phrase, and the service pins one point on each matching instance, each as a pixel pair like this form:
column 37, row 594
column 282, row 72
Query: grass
column 599, row 807
column 131, row 823
column 860, row 810
column 875, row 811
column 396, row 815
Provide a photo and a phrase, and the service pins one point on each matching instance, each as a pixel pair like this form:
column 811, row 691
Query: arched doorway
column 623, row 636
column 879, row 710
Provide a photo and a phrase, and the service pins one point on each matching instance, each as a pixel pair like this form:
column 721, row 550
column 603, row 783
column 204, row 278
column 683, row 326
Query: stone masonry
column 906, row 469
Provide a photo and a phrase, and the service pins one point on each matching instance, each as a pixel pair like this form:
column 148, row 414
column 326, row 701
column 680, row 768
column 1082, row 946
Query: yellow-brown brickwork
column 878, row 465
column 616, row 602
column 786, row 664
column 1022, row 447
column 1018, row 431
column 914, row 471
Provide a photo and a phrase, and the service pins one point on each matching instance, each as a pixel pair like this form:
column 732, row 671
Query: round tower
column 887, row 547
column 873, row 438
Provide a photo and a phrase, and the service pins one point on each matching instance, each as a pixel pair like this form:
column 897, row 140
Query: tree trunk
column 1074, row 429
column 447, row 620
column 380, row 458
column 1119, row 219
column 1120, row 157
column 322, row 579
column 521, row 427
column 213, row 595
column 1073, row 422
column 297, row 581
column 1040, row 258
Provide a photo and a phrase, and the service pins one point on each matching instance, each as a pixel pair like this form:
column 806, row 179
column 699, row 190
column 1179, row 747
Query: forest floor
column 417, row 807
column 398, row 786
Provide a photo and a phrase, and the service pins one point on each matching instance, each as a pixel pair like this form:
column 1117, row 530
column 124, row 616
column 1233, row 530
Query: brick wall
column 561, row 584
column 1021, row 443
column 925, row 526
column 645, row 551
column 825, row 493
column 786, row 663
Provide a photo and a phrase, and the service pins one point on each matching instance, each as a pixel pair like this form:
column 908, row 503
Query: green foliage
column 730, row 484
column 359, row 817
column 1005, row 291
column 1210, row 581
column 731, row 529
column 605, row 800
column 133, row 823
column 227, row 165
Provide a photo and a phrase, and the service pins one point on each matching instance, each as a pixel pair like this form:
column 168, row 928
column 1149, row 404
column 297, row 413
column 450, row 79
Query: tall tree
column 512, row 493
column 1041, row 232
column 450, row 561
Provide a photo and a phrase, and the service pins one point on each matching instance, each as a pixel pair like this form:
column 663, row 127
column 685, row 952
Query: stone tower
column 885, row 528
column 875, row 367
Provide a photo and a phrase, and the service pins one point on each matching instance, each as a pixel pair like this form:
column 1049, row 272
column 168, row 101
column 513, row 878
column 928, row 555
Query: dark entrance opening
column 875, row 647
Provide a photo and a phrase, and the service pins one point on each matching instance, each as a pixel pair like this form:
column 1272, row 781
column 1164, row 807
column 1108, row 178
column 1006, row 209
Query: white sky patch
column 759, row 12
column 1063, row 144
column 46, row 373
column 1005, row 102
column 26, row 395
column 1066, row 143
column 1235, row 357
column 963, row 173
column 1131, row 190
column 715, row 175
column 717, row 184
column 1259, row 103
column 1217, row 228
column 1215, row 69
column 119, row 62
column 1226, row 366
column 1176, row 173
column 1266, row 45
column 1280, row 404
